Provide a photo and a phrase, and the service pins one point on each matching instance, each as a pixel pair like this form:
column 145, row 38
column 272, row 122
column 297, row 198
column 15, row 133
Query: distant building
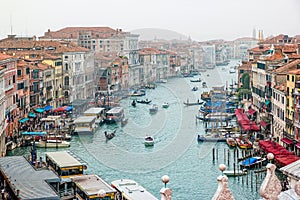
column 242, row 45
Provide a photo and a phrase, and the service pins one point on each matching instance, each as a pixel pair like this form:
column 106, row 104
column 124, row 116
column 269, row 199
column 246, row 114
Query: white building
column 2, row 113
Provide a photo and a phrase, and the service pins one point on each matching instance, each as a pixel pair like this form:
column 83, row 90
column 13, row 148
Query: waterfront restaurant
column 25, row 182
column 92, row 187
column 65, row 166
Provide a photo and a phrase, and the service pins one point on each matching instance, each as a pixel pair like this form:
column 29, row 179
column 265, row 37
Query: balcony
column 66, row 87
column 9, row 87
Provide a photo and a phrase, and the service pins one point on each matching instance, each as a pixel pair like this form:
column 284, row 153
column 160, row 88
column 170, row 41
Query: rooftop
column 63, row 159
column 30, row 182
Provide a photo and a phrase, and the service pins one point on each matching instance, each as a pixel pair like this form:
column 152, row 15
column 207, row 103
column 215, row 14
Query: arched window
column 67, row 80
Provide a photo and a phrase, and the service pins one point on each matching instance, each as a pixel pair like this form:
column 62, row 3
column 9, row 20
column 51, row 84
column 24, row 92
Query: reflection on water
column 176, row 151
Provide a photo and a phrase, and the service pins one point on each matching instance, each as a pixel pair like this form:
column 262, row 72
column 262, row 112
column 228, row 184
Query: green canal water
column 176, row 153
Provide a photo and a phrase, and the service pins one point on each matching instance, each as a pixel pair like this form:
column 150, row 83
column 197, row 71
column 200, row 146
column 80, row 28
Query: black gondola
column 146, row 101
column 133, row 103
column 110, row 135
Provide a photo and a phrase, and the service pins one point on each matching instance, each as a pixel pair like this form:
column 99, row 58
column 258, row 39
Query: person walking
column 3, row 193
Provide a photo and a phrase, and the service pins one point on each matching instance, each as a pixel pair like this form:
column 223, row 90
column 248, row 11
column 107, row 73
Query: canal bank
column 176, row 152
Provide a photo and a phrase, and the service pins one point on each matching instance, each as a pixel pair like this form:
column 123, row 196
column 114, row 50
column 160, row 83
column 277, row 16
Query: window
column 293, row 78
column 288, row 77
column 19, row 72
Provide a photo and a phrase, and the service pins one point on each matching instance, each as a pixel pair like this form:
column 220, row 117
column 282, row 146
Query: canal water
column 176, row 152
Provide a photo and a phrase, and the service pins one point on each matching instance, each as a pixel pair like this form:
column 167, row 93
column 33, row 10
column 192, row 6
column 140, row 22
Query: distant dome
column 160, row 34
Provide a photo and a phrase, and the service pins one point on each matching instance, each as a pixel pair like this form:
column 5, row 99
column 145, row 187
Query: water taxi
column 85, row 125
column 131, row 190
column 98, row 112
column 165, row 105
column 235, row 172
column 52, row 144
column 243, row 143
column 114, row 115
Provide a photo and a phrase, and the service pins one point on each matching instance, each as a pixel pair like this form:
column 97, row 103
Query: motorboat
column 231, row 142
column 137, row 93
column 52, row 144
column 149, row 141
column 215, row 116
column 204, row 84
column 144, row 101
column 215, row 137
column 253, row 162
column 193, row 103
column 243, row 143
column 165, row 105
column 124, row 121
column 110, row 135
column 235, row 172
column 232, row 70
column 196, row 80
column 153, row 109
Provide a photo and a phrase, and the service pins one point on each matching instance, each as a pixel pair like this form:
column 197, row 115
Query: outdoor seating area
column 282, row 156
column 245, row 123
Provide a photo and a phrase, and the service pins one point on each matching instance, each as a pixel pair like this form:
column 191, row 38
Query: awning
column 69, row 108
column 23, row 120
column 47, row 108
column 268, row 102
column 287, row 141
column 34, row 133
column 251, row 111
column 31, row 114
column 39, row 110
column 298, row 145
column 263, row 123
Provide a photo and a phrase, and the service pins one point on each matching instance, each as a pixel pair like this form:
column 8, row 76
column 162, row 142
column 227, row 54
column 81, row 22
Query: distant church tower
column 260, row 36
column 254, row 33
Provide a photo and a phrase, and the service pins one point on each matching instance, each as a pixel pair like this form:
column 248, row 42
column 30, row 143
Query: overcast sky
column 202, row 20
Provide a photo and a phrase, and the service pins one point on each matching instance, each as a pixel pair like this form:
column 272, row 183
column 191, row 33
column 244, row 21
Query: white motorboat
column 235, row 172
column 153, row 109
column 165, row 105
column 52, row 144
column 149, row 141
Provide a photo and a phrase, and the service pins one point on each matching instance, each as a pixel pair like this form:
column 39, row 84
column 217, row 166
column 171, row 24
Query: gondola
column 110, row 135
column 144, row 101
column 133, row 103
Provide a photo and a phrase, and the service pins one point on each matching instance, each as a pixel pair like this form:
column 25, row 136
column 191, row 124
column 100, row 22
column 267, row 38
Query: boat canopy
column 250, row 161
column 34, row 133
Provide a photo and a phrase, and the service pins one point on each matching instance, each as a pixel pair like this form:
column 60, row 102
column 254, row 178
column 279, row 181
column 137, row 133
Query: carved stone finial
column 166, row 194
column 297, row 188
column 270, row 187
column 223, row 191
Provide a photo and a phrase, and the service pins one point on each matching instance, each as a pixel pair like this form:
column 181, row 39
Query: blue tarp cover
column 249, row 161
column 23, row 120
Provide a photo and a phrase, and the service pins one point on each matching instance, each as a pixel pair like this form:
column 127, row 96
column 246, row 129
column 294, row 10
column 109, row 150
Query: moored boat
column 149, row 141
column 211, row 138
column 243, row 143
column 196, row 80
column 52, row 144
column 235, row 172
column 253, row 162
column 114, row 115
column 231, row 142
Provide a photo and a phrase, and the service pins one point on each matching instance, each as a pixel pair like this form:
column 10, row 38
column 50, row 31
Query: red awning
column 298, row 145
column 251, row 111
column 287, row 141
column 263, row 123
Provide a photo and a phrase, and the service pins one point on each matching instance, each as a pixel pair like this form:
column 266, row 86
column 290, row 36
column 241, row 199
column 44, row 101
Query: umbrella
column 23, row 120
column 39, row 110
column 32, row 115
column 47, row 108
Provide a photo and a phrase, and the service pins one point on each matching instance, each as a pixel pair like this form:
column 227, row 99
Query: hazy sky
column 202, row 20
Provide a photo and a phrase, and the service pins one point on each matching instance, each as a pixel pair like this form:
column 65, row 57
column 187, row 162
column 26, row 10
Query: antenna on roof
column 10, row 25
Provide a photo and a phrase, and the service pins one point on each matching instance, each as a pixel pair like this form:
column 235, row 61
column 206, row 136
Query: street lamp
column 165, row 179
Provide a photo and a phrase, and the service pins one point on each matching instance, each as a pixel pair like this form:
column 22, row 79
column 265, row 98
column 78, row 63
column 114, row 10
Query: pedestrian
column 3, row 193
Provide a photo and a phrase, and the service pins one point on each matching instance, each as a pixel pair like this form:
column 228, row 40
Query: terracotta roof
column 294, row 56
column 288, row 66
column 73, row 32
column 277, row 56
column 59, row 47
column 260, row 48
column 4, row 56
column 295, row 72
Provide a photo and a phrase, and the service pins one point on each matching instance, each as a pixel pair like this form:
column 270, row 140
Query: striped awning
column 287, row 141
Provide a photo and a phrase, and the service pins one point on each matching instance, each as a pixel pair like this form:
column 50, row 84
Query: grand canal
column 176, row 153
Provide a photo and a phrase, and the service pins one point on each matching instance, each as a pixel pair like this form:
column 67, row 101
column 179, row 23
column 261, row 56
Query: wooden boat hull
column 231, row 142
